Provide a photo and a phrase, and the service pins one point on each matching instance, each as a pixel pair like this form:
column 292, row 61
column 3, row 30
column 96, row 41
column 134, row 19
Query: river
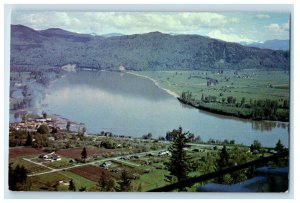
column 127, row 104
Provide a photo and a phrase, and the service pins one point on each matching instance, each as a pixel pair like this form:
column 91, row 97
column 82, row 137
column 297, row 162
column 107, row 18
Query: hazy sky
column 228, row 26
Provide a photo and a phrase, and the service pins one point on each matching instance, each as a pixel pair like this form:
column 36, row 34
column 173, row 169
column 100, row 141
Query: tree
column 256, row 146
column 84, row 154
column 221, row 163
column 178, row 164
column 243, row 101
column 191, row 137
column 44, row 115
column 72, row 186
column 109, row 144
column 83, row 130
column 68, row 126
column 169, row 136
column 279, row 147
column 106, row 182
column 148, row 136
column 223, row 160
column 281, row 162
column 28, row 140
column 125, row 181
column 41, row 140
column 43, row 129
column 17, row 177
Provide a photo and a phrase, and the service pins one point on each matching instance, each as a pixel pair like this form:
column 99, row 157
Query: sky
column 247, row 27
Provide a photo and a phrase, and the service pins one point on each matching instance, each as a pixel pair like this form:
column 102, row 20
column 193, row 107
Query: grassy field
column 49, row 182
column 251, row 84
column 245, row 86
column 32, row 168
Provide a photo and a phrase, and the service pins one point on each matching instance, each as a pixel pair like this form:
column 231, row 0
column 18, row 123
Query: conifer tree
column 222, row 162
column 178, row 164
column 84, row 154
column 72, row 186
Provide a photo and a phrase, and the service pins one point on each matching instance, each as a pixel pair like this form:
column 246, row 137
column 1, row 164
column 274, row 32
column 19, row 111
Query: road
column 53, row 170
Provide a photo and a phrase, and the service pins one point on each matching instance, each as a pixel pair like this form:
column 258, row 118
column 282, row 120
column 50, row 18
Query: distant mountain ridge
column 275, row 44
column 150, row 51
column 112, row 35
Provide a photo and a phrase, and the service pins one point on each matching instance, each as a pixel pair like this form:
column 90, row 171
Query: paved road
column 52, row 170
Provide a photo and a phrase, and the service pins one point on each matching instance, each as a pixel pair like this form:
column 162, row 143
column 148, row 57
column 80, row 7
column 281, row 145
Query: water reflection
column 267, row 125
column 116, row 83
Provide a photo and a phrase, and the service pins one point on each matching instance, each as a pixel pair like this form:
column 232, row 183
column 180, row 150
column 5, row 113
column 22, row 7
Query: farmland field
column 30, row 167
column 75, row 153
column 24, row 151
column 89, row 172
column 229, row 92
column 251, row 84
column 50, row 182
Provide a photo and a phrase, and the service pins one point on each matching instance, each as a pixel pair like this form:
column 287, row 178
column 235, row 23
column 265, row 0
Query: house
column 62, row 182
column 115, row 170
column 72, row 161
column 43, row 156
column 56, row 157
column 121, row 68
column 50, row 157
column 135, row 157
column 108, row 134
column 106, row 164
column 164, row 153
column 41, row 120
column 51, row 138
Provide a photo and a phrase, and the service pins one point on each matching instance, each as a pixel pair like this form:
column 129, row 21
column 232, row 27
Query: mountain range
column 150, row 51
column 275, row 44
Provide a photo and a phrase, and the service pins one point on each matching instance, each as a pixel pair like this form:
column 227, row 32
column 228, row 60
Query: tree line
column 260, row 109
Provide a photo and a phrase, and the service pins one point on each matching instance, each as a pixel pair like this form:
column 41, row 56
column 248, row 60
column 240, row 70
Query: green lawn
column 47, row 182
column 31, row 167
column 154, row 179
column 80, row 181
column 64, row 162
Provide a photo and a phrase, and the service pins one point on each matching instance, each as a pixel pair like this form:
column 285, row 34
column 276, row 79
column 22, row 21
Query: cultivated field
column 24, row 151
column 75, row 153
column 242, row 93
column 251, row 84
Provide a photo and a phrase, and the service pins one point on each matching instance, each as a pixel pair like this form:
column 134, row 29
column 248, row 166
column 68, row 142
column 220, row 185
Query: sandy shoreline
column 174, row 94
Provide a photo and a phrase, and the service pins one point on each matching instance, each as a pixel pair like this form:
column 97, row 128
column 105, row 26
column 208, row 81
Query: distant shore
column 174, row 94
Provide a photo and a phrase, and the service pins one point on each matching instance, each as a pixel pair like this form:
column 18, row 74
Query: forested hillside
column 151, row 51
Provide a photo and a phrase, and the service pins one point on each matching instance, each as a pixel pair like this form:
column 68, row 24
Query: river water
column 126, row 104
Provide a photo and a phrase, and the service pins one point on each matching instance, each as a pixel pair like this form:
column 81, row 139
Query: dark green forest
column 150, row 51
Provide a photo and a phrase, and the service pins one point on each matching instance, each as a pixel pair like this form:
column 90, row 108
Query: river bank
column 174, row 94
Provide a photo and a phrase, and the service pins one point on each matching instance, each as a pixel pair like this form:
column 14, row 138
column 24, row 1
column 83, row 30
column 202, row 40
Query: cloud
column 278, row 29
column 124, row 22
column 262, row 16
column 229, row 37
column 234, row 27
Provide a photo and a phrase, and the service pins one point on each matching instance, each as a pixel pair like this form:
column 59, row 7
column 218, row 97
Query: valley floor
column 230, row 92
